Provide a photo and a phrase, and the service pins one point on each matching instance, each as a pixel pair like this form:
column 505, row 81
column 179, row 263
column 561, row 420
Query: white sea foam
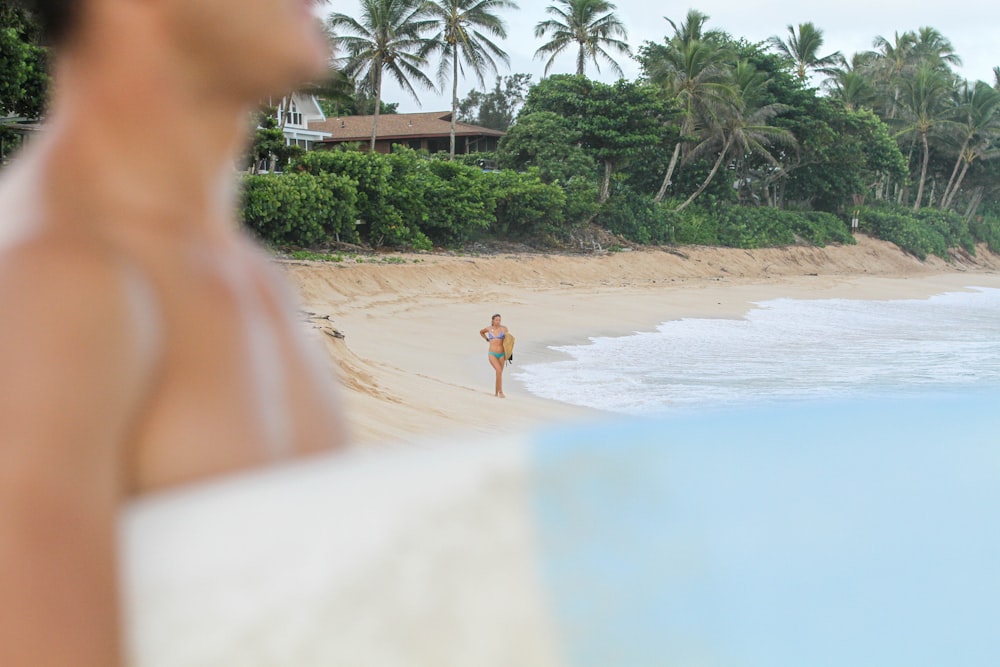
column 784, row 349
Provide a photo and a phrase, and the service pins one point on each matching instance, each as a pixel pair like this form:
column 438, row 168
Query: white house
column 295, row 112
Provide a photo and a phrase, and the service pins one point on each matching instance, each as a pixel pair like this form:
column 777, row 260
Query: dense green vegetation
column 404, row 199
column 718, row 141
column 23, row 77
column 722, row 141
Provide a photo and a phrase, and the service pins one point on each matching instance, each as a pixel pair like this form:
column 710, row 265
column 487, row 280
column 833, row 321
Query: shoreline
column 411, row 364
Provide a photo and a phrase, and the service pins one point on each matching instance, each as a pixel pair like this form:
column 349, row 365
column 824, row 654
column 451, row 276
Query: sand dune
column 411, row 362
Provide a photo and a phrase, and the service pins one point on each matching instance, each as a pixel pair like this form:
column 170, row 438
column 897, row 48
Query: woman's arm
column 482, row 332
column 67, row 391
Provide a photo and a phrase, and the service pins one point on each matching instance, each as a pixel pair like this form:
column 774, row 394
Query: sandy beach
column 411, row 362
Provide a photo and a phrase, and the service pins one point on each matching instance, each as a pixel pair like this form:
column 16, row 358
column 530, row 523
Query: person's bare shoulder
column 73, row 314
column 73, row 367
column 277, row 282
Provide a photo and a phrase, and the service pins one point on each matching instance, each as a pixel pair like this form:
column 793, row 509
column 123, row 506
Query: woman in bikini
column 494, row 335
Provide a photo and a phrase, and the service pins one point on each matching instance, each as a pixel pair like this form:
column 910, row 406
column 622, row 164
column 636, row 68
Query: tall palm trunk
column 958, row 184
column 974, row 203
column 946, row 197
column 662, row 192
column 923, row 171
column 454, row 99
column 378, row 105
column 711, row 174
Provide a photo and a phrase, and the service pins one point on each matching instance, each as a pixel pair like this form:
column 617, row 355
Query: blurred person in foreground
column 145, row 342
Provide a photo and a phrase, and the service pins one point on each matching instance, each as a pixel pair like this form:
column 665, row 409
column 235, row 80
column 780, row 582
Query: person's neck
column 144, row 141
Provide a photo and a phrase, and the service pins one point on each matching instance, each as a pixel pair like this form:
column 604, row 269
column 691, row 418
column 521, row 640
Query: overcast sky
column 848, row 26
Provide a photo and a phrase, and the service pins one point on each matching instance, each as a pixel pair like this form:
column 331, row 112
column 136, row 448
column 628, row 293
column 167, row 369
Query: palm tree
column 931, row 45
column 334, row 91
column 979, row 107
column 591, row 24
column 692, row 68
column 802, row 48
column 851, row 85
column 461, row 39
column 387, row 38
column 744, row 130
column 923, row 106
column 890, row 62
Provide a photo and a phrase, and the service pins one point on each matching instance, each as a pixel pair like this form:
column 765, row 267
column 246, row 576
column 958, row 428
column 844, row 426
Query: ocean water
column 823, row 533
column 784, row 350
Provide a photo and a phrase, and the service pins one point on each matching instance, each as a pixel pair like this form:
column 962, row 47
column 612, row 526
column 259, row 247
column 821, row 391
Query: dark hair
column 494, row 317
column 57, row 17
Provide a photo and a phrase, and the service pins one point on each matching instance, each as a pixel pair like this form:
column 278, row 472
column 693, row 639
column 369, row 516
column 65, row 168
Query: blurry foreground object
column 817, row 534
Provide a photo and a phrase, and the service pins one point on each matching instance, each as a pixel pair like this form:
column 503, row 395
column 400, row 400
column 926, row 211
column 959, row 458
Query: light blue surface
column 839, row 534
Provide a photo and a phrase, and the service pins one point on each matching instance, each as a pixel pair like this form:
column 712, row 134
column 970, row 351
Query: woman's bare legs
column 497, row 365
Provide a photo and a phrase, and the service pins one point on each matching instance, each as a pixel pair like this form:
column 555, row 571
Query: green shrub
column 631, row 215
column 404, row 195
column 900, row 226
column 692, row 226
column 638, row 218
column 949, row 225
column 300, row 209
column 381, row 222
column 460, row 202
column 819, row 228
column 754, row 226
column 986, row 228
column 581, row 200
column 525, row 206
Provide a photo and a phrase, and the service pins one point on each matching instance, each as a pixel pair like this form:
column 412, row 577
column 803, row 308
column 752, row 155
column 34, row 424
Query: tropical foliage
column 388, row 38
column 23, row 77
column 802, row 47
column 718, row 140
column 463, row 37
column 590, row 26
column 404, row 199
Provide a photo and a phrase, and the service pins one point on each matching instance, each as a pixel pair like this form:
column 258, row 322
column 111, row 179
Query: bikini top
column 490, row 336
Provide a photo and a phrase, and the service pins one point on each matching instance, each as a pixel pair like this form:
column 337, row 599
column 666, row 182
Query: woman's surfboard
column 508, row 346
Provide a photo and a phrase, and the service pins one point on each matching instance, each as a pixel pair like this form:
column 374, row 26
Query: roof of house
column 399, row 126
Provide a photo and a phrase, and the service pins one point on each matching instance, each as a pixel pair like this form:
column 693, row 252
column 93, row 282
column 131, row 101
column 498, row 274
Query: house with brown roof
column 429, row 131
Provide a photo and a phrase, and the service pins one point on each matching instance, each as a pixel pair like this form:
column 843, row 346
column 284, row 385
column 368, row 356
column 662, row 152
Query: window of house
column 293, row 116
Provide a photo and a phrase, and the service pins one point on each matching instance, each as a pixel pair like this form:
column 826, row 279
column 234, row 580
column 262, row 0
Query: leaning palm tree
column 389, row 37
column 464, row 31
column 591, row 24
column 693, row 68
column 979, row 128
column 924, row 110
column 802, row 48
column 744, row 130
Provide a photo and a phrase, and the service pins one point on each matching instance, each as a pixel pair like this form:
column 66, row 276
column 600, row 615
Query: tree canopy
column 590, row 26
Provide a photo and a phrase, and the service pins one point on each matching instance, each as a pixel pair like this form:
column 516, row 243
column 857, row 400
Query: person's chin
column 313, row 61
column 277, row 79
